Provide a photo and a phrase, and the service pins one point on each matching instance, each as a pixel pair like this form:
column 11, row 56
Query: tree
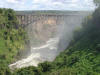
column 97, row 2
column 45, row 67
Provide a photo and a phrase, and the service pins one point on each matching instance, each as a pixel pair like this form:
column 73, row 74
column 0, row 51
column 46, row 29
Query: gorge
column 49, row 34
column 50, row 37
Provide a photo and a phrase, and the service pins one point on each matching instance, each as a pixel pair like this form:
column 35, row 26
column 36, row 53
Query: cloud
column 48, row 4
column 74, row 1
column 12, row 1
column 41, row 1
column 64, row 4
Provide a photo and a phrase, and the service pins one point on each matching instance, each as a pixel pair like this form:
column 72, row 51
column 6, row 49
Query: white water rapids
column 47, row 52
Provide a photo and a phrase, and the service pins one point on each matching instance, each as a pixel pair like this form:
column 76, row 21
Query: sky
column 48, row 4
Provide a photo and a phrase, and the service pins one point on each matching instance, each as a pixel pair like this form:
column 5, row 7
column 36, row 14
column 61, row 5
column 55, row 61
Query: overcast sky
column 48, row 4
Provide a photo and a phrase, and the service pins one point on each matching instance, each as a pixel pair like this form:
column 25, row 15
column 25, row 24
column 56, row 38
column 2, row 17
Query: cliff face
column 42, row 30
column 42, row 27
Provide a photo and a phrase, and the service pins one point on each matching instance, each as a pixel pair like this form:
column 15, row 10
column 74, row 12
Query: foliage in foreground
column 12, row 39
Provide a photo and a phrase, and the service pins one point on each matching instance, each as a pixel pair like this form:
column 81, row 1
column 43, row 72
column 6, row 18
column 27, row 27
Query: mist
column 66, row 29
column 49, row 36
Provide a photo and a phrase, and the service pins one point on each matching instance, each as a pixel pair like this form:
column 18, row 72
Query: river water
column 46, row 52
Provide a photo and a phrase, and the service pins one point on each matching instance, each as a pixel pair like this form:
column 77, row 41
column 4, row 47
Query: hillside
column 82, row 57
column 12, row 39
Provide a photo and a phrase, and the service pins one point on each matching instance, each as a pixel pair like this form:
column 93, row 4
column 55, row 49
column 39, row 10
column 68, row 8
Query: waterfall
column 48, row 37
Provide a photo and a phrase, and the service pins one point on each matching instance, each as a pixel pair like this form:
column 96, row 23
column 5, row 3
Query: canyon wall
column 49, row 34
column 42, row 26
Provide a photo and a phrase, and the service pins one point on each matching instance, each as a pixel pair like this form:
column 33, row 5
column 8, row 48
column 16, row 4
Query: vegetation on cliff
column 82, row 57
column 12, row 39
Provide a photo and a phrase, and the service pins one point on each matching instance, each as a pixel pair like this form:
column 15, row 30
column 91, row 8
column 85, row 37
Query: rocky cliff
column 43, row 25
